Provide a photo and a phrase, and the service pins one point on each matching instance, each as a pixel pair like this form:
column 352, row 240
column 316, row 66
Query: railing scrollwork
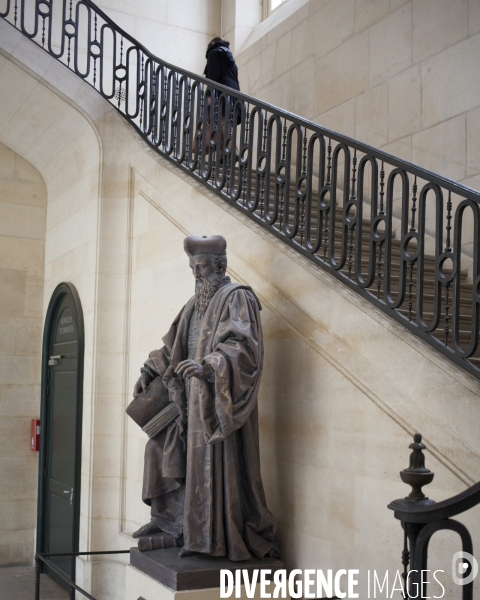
column 402, row 237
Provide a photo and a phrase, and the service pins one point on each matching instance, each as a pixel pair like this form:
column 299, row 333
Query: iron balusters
column 402, row 237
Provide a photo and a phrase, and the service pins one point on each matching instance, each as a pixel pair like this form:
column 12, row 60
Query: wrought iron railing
column 404, row 238
column 421, row 518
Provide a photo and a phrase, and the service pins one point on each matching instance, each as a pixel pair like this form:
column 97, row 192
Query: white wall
column 23, row 202
column 177, row 32
column 342, row 392
column 239, row 17
column 344, row 388
column 401, row 75
column 39, row 123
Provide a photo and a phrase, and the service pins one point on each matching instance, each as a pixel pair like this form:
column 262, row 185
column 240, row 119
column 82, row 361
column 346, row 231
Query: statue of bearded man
column 202, row 471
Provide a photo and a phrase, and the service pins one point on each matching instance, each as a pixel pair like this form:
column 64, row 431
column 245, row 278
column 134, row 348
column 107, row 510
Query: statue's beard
column 205, row 290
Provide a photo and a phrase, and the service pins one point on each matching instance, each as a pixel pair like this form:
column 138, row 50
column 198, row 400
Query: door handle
column 54, row 360
column 69, row 492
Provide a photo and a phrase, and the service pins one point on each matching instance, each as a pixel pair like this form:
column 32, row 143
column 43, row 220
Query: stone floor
column 18, row 583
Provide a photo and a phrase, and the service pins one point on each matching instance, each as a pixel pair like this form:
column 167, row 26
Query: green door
column 61, row 436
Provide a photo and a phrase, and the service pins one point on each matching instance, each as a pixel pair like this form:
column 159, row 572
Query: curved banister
column 421, row 518
column 418, row 513
column 272, row 108
column 331, row 198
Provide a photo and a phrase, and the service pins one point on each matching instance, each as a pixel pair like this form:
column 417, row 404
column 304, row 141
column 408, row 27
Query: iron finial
column 417, row 475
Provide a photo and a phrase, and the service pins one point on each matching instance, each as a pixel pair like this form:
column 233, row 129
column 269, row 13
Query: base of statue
column 163, row 575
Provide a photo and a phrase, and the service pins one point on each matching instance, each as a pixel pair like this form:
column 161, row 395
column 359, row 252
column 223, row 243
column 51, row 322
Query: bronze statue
column 196, row 398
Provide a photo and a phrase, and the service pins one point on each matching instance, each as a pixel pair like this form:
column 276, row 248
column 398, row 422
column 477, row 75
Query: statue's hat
column 216, row 244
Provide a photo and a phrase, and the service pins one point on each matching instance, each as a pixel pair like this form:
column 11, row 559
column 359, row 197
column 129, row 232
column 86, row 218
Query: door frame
column 62, row 290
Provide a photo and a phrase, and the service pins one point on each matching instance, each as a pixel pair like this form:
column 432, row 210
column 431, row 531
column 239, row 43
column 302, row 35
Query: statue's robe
column 214, row 491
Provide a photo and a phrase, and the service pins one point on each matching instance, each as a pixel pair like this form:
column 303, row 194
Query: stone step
column 465, row 303
column 465, row 311
column 464, row 335
column 428, row 269
column 428, row 316
column 465, row 288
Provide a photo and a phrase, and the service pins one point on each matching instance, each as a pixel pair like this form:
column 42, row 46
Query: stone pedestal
column 162, row 575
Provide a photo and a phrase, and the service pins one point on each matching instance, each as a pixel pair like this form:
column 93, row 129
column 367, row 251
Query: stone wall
column 400, row 75
column 41, row 125
column 344, row 387
column 239, row 17
column 23, row 201
column 177, row 32
column 342, row 393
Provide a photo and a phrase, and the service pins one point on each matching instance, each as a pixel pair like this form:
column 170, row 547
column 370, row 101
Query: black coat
column 221, row 66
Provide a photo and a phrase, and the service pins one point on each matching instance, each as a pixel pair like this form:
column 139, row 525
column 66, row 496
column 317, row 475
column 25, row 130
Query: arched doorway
column 61, row 429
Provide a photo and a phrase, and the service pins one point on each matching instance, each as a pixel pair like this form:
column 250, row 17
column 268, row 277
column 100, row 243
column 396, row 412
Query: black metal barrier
column 404, row 238
column 41, row 557
column 422, row 517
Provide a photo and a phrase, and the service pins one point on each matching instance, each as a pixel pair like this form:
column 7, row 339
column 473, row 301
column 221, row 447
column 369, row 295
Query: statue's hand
column 142, row 384
column 192, row 368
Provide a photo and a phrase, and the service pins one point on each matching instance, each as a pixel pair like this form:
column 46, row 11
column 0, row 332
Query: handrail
column 440, row 510
column 421, row 518
column 45, row 558
column 397, row 234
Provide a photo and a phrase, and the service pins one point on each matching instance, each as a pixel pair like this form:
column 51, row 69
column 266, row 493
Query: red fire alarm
column 35, row 435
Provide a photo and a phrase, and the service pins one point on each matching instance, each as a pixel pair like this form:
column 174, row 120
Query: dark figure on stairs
column 220, row 68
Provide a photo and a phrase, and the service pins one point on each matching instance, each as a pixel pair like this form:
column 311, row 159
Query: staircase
column 400, row 236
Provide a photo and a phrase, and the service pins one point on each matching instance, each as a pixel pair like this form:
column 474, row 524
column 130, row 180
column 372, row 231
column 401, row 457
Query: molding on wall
column 126, row 344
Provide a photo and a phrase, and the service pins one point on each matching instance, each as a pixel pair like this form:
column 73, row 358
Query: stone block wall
column 401, row 75
column 344, row 388
column 23, row 202
column 42, row 126
column 176, row 32
column 239, row 17
column 342, row 392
